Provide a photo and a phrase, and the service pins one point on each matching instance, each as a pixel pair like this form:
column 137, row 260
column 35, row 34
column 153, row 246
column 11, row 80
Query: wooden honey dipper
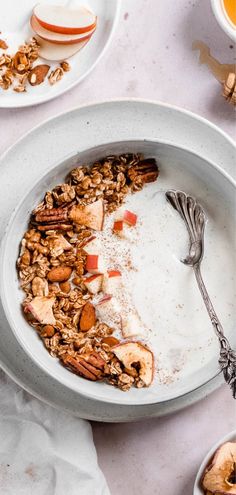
column 224, row 73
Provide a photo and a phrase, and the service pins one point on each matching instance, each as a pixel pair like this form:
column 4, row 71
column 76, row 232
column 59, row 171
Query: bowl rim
column 229, row 436
column 8, row 315
column 100, row 103
column 223, row 19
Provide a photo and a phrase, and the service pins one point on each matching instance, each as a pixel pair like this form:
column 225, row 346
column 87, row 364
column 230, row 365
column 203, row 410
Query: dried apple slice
column 41, row 309
column 91, row 216
column 220, row 476
column 50, row 51
column 58, row 38
column 61, row 19
column 133, row 353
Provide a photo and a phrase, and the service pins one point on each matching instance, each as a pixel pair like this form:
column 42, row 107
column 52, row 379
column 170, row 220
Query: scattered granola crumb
column 18, row 66
column 3, row 45
column 65, row 66
column 55, row 75
column 19, row 89
column 21, row 66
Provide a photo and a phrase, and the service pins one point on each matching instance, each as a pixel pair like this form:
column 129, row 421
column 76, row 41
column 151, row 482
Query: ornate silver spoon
column 194, row 218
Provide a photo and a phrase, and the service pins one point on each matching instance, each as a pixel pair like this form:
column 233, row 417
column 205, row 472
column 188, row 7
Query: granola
column 18, row 70
column 53, row 263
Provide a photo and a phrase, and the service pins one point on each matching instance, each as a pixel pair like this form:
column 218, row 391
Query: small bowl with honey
column 225, row 13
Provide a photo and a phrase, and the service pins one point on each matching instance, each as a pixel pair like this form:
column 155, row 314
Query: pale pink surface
column 151, row 57
column 162, row 456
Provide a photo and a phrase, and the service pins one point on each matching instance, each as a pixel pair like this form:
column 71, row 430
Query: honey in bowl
column 230, row 9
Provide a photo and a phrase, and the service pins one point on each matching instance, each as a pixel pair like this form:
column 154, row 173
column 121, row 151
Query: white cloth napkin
column 44, row 451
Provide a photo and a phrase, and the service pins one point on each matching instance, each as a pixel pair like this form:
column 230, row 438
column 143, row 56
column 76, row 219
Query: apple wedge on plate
column 58, row 38
column 53, row 52
column 61, row 32
column 59, row 19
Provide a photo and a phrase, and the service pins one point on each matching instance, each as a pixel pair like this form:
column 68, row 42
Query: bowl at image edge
column 230, row 437
column 223, row 19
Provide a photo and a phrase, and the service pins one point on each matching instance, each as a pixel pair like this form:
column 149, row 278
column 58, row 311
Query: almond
column 111, row 341
column 76, row 281
column 38, row 74
column 59, row 274
column 47, row 331
column 65, row 287
column 87, row 318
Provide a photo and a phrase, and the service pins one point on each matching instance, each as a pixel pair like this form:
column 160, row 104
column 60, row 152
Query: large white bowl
column 156, row 130
column 179, row 169
column 230, row 437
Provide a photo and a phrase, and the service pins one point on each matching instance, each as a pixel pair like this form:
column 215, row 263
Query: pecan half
column 54, row 226
column 95, row 359
column 82, row 367
column 52, row 215
column 52, row 219
column 145, row 170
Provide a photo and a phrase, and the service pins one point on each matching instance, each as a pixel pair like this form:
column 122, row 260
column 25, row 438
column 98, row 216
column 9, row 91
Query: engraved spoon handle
column 210, row 309
column 227, row 359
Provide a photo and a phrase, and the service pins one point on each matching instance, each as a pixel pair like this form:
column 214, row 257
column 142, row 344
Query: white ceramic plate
column 15, row 29
column 231, row 437
column 130, row 120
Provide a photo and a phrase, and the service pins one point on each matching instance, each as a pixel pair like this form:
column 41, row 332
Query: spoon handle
column 227, row 360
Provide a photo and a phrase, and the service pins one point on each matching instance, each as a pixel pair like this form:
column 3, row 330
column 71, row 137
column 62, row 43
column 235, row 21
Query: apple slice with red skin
column 217, row 475
column 130, row 218
column 94, row 283
column 92, row 246
column 108, row 309
column 131, row 325
column 41, row 309
column 91, row 216
column 104, row 306
column 111, row 281
column 114, row 273
column 105, row 299
column 118, row 228
column 60, row 19
column 95, row 264
column 130, row 353
column 58, row 38
column 56, row 53
column 125, row 218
